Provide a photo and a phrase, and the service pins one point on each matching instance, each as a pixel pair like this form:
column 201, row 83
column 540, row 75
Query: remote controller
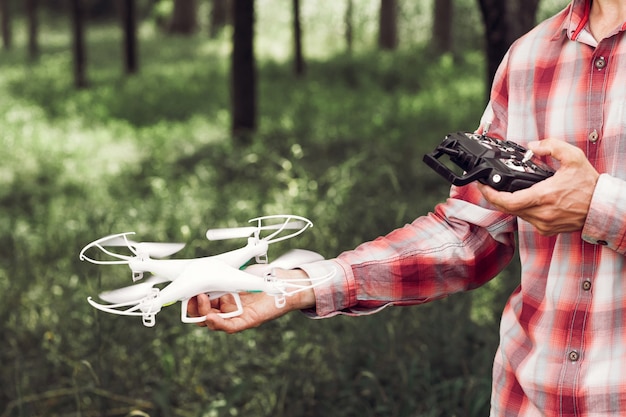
column 503, row 165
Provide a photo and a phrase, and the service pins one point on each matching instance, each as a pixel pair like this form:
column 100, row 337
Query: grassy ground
column 152, row 153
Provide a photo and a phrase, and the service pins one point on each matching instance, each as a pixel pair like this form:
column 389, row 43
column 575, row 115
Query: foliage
column 152, row 154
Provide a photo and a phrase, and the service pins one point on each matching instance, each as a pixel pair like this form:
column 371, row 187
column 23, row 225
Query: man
column 562, row 346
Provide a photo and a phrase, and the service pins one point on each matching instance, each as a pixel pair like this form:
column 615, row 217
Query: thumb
column 541, row 147
column 557, row 149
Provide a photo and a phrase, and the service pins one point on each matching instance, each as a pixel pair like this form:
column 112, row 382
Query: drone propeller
column 132, row 292
column 296, row 257
column 150, row 249
column 288, row 222
column 153, row 249
column 288, row 260
column 241, row 232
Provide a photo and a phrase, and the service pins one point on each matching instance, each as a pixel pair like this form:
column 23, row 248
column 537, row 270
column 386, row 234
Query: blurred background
column 167, row 118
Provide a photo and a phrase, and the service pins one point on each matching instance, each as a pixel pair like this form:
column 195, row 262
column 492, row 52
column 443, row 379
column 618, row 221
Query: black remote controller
column 503, row 165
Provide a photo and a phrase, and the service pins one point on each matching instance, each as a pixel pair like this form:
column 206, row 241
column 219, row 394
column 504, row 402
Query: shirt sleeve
column 461, row 245
column 458, row 247
column 605, row 221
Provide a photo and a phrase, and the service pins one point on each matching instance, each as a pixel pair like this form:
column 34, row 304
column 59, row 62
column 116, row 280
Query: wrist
column 302, row 299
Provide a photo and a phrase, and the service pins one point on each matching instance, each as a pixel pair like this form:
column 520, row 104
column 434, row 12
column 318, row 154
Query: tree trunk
column 505, row 21
column 129, row 21
column 184, row 18
column 243, row 71
column 33, row 28
column 442, row 26
column 219, row 17
column 80, row 79
column 522, row 16
column 388, row 25
column 297, row 38
column 347, row 19
column 5, row 10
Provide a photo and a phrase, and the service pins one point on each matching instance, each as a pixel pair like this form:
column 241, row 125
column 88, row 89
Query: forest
column 166, row 118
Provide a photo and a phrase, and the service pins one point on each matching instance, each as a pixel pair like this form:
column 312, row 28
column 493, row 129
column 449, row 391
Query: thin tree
column 219, row 17
column 5, row 10
column 33, row 28
column 388, row 24
column 184, row 18
column 243, row 71
column 297, row 38
column 347, row 21
column 129, row 21
column 78, row 47
column 443, row 11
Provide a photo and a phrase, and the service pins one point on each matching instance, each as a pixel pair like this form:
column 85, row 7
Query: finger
column 228, row 303
column 192, row 310
column 505, row 201
column 214, row 321
column 204, row 304
column 192, row 307
column 231, row 325
column 215, row 303
column 557, row 149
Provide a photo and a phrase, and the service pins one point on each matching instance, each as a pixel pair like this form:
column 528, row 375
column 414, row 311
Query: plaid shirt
column 563, row 332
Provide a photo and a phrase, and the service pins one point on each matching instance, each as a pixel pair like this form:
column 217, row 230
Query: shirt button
column 586, row 285
column 600, row 63
column 593, row 136
column 573, row 356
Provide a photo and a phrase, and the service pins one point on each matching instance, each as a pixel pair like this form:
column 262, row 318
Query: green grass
column 152, row 153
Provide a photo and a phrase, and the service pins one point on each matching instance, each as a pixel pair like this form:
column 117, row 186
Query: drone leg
column 280, row 301
column 183, row 314
column 149, row 320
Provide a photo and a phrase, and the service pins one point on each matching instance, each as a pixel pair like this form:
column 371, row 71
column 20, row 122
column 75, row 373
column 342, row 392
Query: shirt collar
column 577, row 16
column 576, row 20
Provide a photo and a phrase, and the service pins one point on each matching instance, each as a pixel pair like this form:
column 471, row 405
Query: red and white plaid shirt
column 563, row 332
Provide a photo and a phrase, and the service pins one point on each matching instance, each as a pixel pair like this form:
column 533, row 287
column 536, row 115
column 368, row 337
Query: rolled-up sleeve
column 458, row 247
column 606, row 220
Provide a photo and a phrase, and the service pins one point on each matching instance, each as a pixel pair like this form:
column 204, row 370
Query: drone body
column 213, row 275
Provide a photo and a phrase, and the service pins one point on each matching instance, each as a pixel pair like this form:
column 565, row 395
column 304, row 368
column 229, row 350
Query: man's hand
column 258, row 308
column 558, row 204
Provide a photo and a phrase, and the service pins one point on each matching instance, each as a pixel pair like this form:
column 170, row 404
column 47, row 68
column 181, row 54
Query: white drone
column 214, row 275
